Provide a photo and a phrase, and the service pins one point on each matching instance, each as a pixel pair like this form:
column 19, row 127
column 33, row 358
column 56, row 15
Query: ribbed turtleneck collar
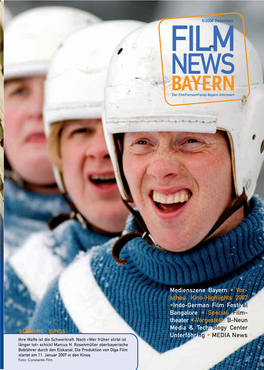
column 209, row 261
column 69, row 238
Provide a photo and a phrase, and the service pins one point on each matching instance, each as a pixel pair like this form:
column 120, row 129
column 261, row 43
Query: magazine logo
column 195, row 62
column 200, row 57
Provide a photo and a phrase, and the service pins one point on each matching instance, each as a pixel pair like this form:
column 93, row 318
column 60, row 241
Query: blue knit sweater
column 27, row 212
column 38, row 261
column 95, row 294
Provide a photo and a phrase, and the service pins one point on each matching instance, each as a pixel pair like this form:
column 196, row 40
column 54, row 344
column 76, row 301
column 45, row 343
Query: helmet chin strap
column 124, row 239
column 76, row 215
column 12, row 175
column 145, row 234
column 239, row 202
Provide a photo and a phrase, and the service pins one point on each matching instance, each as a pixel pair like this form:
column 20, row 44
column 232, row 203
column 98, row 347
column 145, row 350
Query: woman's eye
column 142, row 142
column 82, row 130
column 192, row 141
column 191, row 144
column 141, row 146
column 19, row 91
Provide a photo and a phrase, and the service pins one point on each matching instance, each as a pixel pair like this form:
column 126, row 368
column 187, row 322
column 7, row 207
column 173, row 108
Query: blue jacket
column 179, row 305
column 27, row 212
column 29, row 271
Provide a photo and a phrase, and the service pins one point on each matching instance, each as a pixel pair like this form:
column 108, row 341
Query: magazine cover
column 132, row 185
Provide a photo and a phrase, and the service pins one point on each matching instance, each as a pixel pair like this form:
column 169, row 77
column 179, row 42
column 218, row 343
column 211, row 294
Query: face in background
column 181, row 183
column 25, row 142
column 88, row 174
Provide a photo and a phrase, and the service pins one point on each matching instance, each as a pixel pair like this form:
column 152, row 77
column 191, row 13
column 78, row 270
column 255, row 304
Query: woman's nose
column 164, row 165
column 97, row 148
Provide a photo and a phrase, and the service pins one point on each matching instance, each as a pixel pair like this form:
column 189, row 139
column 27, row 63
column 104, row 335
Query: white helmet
column 75, row 83
column 7, row 16
column 32, row 37
column 135, row 101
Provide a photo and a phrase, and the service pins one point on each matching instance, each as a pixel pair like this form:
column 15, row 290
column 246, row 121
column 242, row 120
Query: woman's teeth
column 178, row 197
column 103, row 177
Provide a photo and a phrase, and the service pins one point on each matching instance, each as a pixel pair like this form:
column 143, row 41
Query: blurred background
column 252, row 12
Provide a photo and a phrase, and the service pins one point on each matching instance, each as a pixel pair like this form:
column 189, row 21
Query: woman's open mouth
column 171, row 202
column 103, row 183
column 102, row 180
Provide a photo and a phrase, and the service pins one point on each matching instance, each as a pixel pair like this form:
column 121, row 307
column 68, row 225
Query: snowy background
column 252, row 11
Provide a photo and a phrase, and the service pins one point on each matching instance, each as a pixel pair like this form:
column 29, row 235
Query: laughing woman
column 31, row 194
column 191, row 171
